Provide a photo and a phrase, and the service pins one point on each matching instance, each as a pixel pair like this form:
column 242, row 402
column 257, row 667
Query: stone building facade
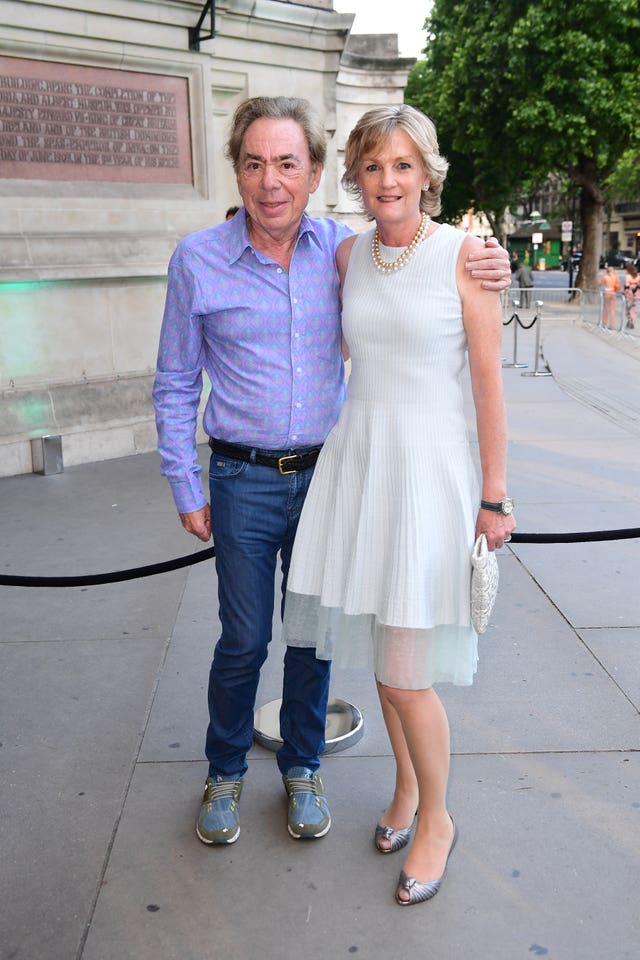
column 111, row 149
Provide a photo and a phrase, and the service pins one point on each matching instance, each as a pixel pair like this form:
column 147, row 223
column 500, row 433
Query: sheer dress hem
column 408, row 658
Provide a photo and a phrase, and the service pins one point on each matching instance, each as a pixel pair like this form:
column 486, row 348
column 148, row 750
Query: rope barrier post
column 515, row 319
column 536, row 372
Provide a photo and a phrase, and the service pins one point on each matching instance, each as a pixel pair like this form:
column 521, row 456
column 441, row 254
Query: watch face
column 507, row 506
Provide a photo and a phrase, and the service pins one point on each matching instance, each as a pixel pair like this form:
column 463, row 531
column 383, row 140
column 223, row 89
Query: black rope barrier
column 117, row 576
column 135, row 573
column 595, row 535
column 516, row 317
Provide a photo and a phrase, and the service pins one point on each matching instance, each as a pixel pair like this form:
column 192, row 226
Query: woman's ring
column 506, row 539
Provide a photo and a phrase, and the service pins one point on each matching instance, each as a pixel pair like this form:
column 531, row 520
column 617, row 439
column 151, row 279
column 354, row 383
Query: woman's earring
column 425, row 187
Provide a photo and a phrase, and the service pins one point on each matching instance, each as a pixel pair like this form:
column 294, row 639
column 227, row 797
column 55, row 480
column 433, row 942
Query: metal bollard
column 536, row 372
column 514, row 363
column 46, row 455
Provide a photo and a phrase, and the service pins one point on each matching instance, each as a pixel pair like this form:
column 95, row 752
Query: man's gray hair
column 277, row 108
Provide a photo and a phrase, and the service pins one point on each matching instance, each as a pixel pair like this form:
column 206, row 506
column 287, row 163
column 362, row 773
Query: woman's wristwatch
column 502, row 506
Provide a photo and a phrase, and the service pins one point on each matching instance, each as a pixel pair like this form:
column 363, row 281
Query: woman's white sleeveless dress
column 381, row 569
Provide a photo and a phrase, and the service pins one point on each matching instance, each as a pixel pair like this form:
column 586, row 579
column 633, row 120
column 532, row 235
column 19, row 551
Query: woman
column 631, row 294
column 611, row 283
column 382, row 555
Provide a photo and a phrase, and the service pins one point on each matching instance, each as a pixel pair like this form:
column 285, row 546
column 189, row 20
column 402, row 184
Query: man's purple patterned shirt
column 269, row 341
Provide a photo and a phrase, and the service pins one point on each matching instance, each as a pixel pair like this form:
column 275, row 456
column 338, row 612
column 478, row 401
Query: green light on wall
column 23, row 319
column 26, row 285
column 36, row 414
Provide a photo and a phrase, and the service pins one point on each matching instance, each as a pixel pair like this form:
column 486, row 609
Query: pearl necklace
column 388, row 266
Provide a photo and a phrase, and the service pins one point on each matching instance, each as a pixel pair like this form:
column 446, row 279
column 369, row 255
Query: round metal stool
column 345, row 725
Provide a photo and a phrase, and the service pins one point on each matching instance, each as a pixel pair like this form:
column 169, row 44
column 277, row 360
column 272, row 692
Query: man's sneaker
column 308, row 816
column 219, row 817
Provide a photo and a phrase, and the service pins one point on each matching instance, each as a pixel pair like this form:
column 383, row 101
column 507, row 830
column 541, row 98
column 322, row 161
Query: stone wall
column 111, row 150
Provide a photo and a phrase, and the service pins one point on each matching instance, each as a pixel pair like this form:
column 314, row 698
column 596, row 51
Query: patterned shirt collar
column 239, row 239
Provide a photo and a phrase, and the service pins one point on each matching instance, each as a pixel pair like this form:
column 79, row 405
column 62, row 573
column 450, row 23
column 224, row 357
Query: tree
column 624, row 182
column 452, row 87
column 520, row 89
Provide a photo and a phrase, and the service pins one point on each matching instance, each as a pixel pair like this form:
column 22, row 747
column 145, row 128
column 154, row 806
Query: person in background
column 631, row 294
column 231, row 212
column 254, row 301
column 610, row 281
column 381, row 563
column 524, row 279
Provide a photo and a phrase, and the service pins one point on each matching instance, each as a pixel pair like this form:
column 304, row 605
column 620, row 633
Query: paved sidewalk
column 103, row 714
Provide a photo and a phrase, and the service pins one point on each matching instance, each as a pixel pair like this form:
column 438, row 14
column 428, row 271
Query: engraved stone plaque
column 59, row 121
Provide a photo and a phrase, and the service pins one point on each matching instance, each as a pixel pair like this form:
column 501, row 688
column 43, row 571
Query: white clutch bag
column 484, row 583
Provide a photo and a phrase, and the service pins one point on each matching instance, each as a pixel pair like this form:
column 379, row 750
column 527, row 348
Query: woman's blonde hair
column 376, row 126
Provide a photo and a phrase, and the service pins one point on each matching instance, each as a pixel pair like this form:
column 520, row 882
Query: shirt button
column 279, row 269
column 295, row 299
column 298, row 369
column 298, row 405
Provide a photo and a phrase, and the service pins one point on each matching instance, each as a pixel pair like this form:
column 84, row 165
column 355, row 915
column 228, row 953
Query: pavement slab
column 73, row 713
column 520, row 882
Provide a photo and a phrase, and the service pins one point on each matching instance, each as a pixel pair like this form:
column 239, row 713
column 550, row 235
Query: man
column 524, row 279
column 255, row 302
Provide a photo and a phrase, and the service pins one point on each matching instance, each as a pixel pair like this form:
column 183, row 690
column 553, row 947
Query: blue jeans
column 254, row 515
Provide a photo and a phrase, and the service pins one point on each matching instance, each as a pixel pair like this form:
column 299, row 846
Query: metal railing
column 560, row 303
column 530, row 308
column 619, row 315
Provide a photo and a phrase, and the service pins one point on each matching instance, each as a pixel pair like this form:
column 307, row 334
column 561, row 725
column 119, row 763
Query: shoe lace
column 222, row 790
column 298, row 785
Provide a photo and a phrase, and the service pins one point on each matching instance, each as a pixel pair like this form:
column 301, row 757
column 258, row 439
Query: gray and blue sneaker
column 308, row 816
column 219, row 817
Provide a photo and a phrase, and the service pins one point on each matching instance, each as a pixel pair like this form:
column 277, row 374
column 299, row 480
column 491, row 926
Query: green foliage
column 582, row 60
column 624, row 182
column 522, row 88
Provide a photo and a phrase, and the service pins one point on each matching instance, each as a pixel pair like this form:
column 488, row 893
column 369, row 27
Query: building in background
column 112, row 130
column 558, row 207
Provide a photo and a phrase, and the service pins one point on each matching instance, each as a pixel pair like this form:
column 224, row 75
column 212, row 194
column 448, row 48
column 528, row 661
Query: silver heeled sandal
column 397, row 838
column 419, row 890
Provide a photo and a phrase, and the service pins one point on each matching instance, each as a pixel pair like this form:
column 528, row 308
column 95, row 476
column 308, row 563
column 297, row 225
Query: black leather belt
column 287, row 463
